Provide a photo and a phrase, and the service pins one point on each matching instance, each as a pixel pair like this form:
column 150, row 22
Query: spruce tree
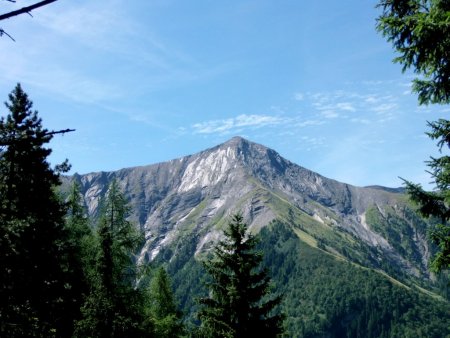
column 420, row 33
column 239, row 304
column 35, row 294
column 162, row 310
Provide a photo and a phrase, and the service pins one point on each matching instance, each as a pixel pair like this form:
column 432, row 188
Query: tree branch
column 3, row 32
column 11, row 141
column 59, row 132
column 25, row 9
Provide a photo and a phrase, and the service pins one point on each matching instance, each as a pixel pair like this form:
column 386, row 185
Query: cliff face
column 194, row 196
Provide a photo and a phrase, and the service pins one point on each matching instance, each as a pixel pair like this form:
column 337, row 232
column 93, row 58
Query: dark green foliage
column 443, row 284
column 162, row 310
column 239, row 304
column 327, row 296
column 436, row 203
column 82, row 240
column 185, row 270
column 36, row 294
column 113, row 307
column 81, row 248
column 324, row 296
column 420, row 32
column 118, row 238
column 186, row 273
column 58, row 278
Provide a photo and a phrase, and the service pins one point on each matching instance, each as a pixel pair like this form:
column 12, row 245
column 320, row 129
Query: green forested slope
column 323, row 295
column 329, row 296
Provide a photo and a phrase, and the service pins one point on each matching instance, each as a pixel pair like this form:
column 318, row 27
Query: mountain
column 182, row 206
column 197, row 193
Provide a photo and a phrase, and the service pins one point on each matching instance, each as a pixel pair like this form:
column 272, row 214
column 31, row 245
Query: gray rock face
column 197, row 193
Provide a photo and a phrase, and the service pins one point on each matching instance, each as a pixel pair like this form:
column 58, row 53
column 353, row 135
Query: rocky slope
column 194, row 195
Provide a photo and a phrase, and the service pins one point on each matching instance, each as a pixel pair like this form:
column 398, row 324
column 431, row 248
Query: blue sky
column 148, row 81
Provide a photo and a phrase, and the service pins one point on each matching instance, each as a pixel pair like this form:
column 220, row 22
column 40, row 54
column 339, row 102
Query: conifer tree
column 81, row 246
column 114, row 307
column 420, row 32
column 35, row 294
column 81, row 236
column 164, row 315
column 239, row 304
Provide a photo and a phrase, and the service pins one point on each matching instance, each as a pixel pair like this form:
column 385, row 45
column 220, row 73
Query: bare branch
column 59, row 132
column 3, row 32
column 24, row 10
column 11, row 141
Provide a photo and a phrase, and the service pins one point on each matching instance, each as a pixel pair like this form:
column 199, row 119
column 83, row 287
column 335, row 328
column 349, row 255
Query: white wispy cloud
column 367, row 103
column 330, row 114
column 238, row 122
column 72, row 85
column 90, row 24
column 297, row 123
column 371, row 99
column 70, row 47
column 312, row 142
column 320, row 116
column 360, row 120
column 299, row 96
column 384, row 107
column 347, row 106
column 48, row 61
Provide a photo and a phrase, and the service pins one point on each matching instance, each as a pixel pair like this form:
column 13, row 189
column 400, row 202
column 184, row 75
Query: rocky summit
column 193, row 196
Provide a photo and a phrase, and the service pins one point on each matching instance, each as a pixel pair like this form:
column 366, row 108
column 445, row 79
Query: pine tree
column 35, row 285
column 114, row 307
column 420, row 32
column 162, row 310
column 239, row 304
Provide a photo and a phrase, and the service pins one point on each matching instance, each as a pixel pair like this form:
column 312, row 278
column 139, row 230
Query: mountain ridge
column 196, row 193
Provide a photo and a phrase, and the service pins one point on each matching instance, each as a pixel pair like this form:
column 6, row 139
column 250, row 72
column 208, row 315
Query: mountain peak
column 243, row 146
column 236, row 141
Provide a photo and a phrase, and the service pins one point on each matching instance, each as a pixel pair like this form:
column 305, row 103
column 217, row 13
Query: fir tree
column 420, row 32
column 239, row 304
column 163, row 313
column 35, row 293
